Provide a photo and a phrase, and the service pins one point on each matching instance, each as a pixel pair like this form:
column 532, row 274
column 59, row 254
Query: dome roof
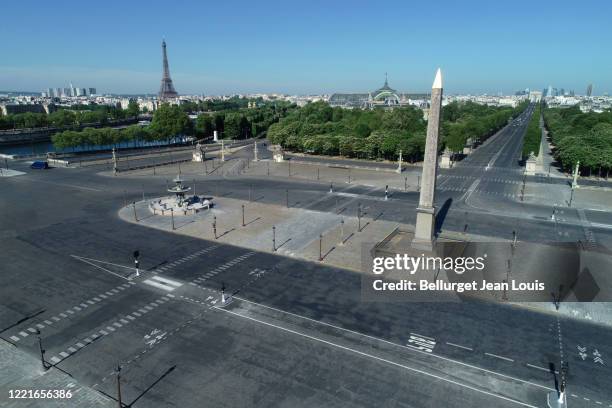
column 385, row 88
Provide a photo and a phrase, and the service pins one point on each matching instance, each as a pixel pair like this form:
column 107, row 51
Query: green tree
column 204, row 125
column 132, row 109
column 170, row 121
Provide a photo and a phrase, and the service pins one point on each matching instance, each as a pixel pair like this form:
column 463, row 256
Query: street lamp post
column 45, row 366
column 341, row 243
column 136, row 262
column 214, row 225
column 563, row 385
column 359, row 217
column 119, row 386
column 274, row 238
column 320, row 247
column 172, row 217
column 243, row 215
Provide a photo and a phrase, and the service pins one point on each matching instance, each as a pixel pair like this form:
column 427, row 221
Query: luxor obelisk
column 426, row 213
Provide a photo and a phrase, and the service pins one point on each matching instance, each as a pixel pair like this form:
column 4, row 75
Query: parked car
column 40, row 165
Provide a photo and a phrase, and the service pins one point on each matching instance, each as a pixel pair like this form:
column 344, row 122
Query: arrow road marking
column 421, row 342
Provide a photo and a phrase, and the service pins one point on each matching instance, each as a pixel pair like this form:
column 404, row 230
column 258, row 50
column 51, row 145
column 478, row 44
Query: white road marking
column 167, row 281
column 99, row 267
column 457, row 345
column 163, row 283
column 421, row 342
column 538, row 367
column 158, row 285
column 399, row 345
column 23, row 334
column 384, row 360
column 501, row 357
column 15, row 338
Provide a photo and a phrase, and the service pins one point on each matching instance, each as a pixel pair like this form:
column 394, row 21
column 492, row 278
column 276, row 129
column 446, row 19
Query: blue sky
column 307, row 46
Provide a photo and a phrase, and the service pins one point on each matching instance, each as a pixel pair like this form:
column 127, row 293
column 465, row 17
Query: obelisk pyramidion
column 166, row 90
column 426, row 212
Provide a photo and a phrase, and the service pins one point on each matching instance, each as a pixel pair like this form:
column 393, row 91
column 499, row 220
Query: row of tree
column 469, row 120
column 241, row 123
column 216, row 105
column 374, row 134
column 581, row 137
column 533, row 136
column 171, row 121
column 381, row 134
column 168, row 122
column 68, row 117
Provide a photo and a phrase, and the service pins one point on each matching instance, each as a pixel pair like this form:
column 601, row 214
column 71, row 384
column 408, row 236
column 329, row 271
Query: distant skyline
column 308, row 47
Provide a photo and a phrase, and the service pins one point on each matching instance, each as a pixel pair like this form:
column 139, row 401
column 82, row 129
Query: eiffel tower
column 166, row 90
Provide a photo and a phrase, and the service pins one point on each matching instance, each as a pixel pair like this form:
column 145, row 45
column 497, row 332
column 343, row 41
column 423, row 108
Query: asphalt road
column 297, row 333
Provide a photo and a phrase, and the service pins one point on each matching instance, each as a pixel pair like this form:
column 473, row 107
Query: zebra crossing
column 109, row 329
column 186, row 258
column 590, row 242
column 479, row 190
column 72, row 311
column 221, row 268
column 162, row 283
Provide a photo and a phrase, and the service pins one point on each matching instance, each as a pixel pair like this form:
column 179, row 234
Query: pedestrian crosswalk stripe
column 163, row 283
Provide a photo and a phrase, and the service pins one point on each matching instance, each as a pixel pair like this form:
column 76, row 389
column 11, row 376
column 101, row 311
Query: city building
column 384, row 97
